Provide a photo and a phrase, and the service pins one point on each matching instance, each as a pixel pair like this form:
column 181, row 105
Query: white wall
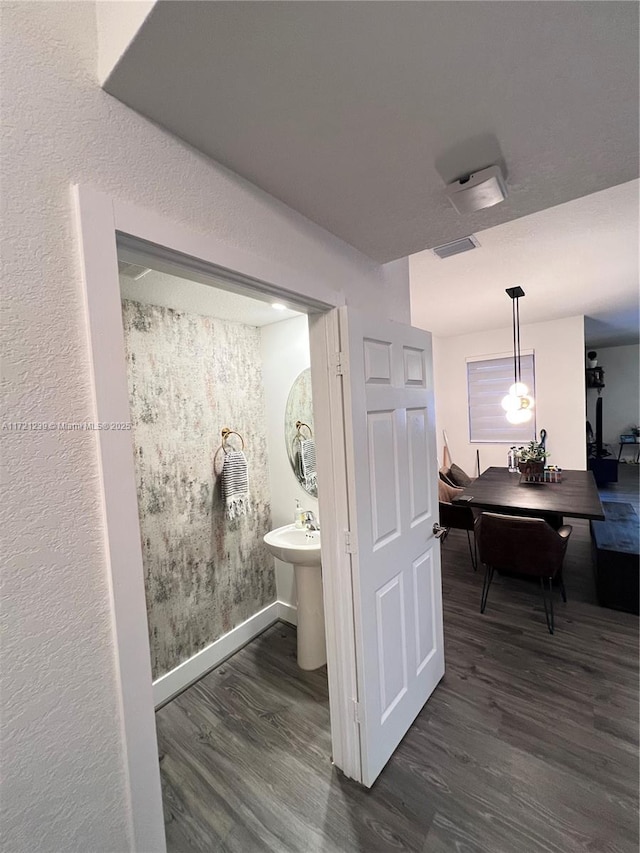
column 560, row 393
column 65, row 786
column 620, row 396
column 285, row 354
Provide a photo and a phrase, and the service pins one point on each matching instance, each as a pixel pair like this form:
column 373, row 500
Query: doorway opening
column 212, row 377
column 218, row 378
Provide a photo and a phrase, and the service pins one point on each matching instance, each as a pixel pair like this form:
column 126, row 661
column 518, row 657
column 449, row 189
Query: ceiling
column 158, row 288
column 358, row 114
column 577, row 258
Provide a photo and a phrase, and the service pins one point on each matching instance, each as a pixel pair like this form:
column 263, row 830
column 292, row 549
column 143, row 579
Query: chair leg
column 488, row 577
column 563, row 591
column 472, row 551
column 548, row 608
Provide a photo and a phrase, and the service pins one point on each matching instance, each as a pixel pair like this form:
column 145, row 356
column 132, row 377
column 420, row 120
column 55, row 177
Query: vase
column 532, row 468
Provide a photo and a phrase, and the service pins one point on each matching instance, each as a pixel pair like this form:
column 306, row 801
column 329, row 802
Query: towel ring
column 299, row 426
column 226, row 432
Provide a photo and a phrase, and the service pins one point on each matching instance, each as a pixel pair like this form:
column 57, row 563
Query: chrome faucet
column 310, row 521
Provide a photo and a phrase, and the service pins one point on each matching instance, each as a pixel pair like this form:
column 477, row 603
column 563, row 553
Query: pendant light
column 518, row 403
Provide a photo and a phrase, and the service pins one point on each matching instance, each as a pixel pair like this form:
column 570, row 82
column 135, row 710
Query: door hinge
column 337, row 364
column 349, row 544
column 356, row 712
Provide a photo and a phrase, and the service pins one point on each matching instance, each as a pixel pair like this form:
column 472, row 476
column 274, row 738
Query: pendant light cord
column 518, row 326
column 515, row 363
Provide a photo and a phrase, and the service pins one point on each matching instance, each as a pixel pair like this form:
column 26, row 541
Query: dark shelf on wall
column 595, row 377
column 605, row 470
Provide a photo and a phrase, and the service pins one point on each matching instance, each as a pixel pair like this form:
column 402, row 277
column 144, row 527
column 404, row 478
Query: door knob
column 440, row 532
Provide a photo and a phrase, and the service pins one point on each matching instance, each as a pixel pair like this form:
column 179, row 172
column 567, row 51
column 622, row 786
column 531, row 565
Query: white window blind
column 488, row 381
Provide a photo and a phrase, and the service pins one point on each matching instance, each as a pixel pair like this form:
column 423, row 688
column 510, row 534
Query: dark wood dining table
column 499, row 490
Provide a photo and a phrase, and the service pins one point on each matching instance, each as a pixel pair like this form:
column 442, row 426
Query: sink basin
column 302, row 548
column 294, row 545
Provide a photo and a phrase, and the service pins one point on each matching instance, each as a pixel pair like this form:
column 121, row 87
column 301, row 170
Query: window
column 488, row 381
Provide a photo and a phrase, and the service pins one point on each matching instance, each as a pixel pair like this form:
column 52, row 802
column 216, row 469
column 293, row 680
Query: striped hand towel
column 308, row 463
column 235, row 484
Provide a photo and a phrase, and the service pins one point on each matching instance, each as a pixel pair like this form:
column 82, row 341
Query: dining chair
column 526, row 546
column 461, row 517
column 456, row 516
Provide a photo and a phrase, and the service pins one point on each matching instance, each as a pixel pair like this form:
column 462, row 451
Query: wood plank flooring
column 529, row 744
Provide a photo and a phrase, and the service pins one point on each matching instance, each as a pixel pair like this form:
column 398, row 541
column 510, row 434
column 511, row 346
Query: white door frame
column 99, row 219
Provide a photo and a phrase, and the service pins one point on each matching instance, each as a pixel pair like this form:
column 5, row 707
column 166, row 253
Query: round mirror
column 298, row 433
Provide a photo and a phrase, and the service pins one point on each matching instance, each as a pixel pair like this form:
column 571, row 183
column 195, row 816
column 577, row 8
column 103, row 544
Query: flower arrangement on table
column 531, row 461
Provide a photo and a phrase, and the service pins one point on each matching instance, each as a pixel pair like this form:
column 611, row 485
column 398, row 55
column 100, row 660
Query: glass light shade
column 519, row 416
column 518, row 389
column 510, row 403
column 526, row 402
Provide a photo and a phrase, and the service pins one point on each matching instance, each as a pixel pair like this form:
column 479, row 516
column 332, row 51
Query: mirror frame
column 298, row 425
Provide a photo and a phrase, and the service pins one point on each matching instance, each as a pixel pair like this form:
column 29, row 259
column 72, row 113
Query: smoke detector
column 478, row 190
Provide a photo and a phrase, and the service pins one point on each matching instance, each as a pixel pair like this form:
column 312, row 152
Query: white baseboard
column 178, row 679
column 288, row 613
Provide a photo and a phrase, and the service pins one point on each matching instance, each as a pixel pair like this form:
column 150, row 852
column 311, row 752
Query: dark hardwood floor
column 529, row 744
column 627, row 489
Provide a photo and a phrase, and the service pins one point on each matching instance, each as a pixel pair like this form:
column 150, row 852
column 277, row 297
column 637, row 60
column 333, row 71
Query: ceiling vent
column 466, row 244
column 134, row 271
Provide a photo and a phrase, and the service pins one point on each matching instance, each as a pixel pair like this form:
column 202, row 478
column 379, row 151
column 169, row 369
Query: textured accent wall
column 189, row 376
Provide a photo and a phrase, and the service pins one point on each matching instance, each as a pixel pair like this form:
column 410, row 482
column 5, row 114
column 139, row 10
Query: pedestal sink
column 301, row 547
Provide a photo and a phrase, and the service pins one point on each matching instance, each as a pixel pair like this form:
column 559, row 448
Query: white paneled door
column 393, row 506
